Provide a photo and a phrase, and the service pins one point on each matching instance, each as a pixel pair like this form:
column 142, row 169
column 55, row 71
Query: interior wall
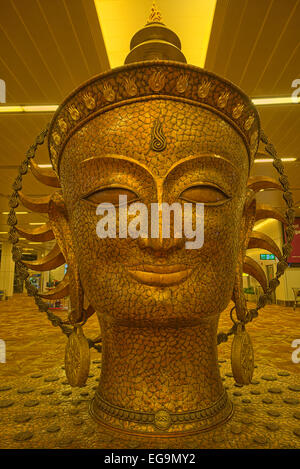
column 291, row 277
column 58, row 273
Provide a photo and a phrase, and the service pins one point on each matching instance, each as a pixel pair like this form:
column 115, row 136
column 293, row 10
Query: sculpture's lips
column 160, row 275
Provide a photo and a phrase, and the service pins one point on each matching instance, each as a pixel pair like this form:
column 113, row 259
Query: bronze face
column 148, row 281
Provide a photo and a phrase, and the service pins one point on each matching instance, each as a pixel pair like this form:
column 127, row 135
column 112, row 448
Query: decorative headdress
column 151, row 80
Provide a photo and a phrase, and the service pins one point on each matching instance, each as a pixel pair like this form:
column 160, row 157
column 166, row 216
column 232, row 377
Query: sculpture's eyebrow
column 90, row 161
column 199, row 157
column 159, row 180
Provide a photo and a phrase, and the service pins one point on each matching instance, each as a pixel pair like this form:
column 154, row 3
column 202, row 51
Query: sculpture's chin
column 174, row 299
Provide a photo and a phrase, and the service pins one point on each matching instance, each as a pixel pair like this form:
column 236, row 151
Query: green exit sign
column 267, row 257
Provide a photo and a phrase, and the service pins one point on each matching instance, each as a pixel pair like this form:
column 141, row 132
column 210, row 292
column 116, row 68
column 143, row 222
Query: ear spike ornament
column 242, row 355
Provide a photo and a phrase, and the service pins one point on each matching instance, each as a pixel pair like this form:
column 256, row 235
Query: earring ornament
column 77, row 357
column 242, row 356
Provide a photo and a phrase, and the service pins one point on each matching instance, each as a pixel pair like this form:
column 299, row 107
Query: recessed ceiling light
column 38, row 223
column 45, row 165
column 3, row 232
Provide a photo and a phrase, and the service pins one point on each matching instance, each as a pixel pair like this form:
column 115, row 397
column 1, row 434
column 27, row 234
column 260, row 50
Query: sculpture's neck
column 147, row 370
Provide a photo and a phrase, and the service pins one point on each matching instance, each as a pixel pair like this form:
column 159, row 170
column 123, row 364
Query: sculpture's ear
column 247, row 223
column 59, row 221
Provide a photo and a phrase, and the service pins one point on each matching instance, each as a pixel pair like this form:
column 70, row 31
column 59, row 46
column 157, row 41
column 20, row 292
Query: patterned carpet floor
column 38, row 409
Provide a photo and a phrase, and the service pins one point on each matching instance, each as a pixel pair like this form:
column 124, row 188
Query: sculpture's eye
column 111, row 195
column 204, row 193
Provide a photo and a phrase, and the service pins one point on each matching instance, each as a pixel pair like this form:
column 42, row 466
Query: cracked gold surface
column 160, row 376
column 158, row 129
column 159, row 344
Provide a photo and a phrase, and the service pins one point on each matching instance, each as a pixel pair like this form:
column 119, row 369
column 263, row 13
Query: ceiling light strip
column 25, row 109
column 270, row 160
column 17, row 213
column 276, row 101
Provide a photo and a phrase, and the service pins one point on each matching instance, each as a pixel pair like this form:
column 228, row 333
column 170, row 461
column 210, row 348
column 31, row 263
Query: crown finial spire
column 155, row 41
column 155, row 15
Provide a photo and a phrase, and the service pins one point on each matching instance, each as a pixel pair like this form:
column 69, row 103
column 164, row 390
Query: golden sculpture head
column 157, row 131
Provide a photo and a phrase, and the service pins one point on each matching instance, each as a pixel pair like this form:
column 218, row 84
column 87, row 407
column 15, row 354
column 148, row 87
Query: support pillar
column 7, row 269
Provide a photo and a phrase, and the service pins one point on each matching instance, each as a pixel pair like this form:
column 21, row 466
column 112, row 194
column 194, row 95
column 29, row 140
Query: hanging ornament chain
column 286, row 248
column 22, row 269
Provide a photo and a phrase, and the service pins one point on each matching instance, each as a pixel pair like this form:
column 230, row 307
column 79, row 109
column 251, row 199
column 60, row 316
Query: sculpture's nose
column 165, row 233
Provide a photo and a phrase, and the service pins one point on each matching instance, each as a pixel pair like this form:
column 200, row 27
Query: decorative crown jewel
column 155, row 15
